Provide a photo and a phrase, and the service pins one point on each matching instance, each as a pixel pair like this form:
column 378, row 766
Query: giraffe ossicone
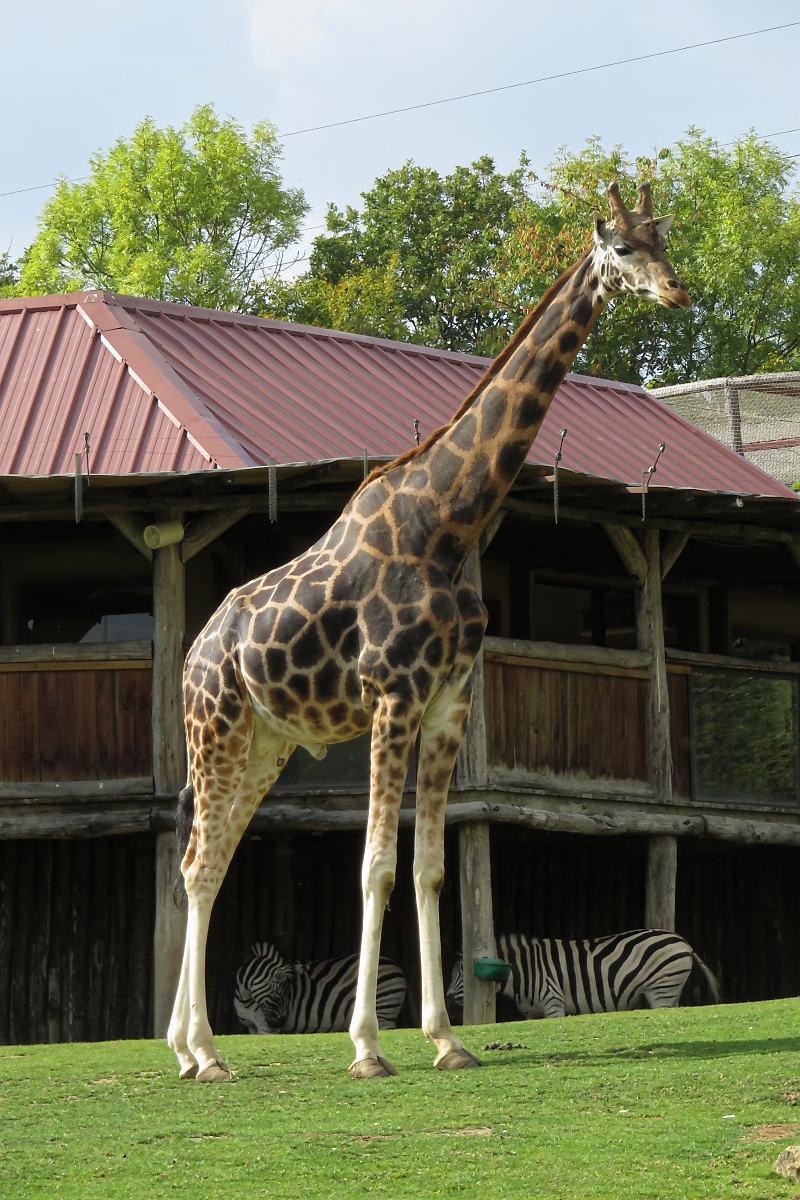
column 375, row 627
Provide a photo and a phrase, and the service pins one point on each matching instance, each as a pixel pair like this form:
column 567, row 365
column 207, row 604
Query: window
column 745, row 737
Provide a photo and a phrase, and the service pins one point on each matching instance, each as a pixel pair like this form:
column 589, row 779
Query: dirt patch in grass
column 771, row 1133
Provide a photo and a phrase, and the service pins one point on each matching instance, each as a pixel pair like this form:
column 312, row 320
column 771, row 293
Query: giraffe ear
column 662, row 225
column 601, row 234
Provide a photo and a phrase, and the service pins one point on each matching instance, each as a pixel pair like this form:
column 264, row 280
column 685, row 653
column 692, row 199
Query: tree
column 457, row 261
column 416, row 263
column 736, row 243
column 9, row 274
column 197, row 215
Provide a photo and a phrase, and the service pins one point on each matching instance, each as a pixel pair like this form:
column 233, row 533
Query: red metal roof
column 165, row 387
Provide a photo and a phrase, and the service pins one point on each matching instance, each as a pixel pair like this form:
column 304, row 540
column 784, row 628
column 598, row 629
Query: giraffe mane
column 492, row 370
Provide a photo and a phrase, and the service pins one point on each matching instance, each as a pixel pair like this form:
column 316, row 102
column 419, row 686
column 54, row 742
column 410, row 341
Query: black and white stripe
column 552, row 978
column 273, row 995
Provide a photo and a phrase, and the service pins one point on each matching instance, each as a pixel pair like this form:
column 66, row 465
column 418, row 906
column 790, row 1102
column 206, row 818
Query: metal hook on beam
column 556, row 461
column 648, row 474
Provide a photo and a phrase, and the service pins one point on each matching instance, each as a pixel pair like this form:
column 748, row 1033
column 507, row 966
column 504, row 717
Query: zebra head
column 263, row 990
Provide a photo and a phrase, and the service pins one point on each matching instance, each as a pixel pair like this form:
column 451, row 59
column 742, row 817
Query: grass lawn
column 662, row 1104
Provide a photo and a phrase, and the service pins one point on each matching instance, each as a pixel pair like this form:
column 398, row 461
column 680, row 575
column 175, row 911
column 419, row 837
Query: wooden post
column 477, row 920
column 169, row 769
column 650, row 636
column 471, row 767
column 645, row 565
column 662, row 869
column 170, row 932
column 662, row 852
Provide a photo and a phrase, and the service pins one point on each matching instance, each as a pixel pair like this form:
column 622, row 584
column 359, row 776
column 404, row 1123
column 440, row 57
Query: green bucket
column 491, row 968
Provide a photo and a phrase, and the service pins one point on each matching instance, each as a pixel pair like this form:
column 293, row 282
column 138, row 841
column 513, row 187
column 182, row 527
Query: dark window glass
column 745, row 737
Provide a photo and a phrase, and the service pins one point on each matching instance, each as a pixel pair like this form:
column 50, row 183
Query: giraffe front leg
column 393, row 731
column 442, row 733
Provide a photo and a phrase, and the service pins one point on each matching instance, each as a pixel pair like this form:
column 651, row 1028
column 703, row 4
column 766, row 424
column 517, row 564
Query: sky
column 78, row 76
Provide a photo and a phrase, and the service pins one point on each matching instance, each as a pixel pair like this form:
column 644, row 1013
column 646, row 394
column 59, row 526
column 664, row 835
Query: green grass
column 633, row 1105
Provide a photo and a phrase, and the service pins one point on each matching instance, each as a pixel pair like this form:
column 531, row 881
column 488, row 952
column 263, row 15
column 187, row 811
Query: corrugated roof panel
column 297, row 393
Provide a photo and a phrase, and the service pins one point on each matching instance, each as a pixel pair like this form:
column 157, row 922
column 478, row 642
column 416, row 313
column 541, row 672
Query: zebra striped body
column 275, row 996
column 552, row 978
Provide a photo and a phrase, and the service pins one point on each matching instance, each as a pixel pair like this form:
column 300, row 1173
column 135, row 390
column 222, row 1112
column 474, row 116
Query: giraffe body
column 375, row 627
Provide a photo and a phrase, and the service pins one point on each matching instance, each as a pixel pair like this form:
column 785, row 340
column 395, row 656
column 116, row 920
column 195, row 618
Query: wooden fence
column 70, row 713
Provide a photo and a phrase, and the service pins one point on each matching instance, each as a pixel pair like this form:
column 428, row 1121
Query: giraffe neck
column 460, row 479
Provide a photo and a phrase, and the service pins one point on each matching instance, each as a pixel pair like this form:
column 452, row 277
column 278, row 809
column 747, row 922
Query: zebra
column 551, row 978
column 273, row 995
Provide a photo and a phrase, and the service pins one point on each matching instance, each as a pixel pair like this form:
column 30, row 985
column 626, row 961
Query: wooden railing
column 566, row 716
column 75, row 720
column 571, row 719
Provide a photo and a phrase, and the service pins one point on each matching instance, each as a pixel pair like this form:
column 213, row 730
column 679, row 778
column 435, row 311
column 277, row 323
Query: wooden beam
column 477, row 920
column 695, row 658
column 629, row 551
column 471, row 766
column 170, row 932
column 793, row 546
column 673, row 546
column 82, row 790
column 131, row 528
column 538, row 510
column 594, row 818
column 72, row 652
column 662, row 870
column 204, row 530
column 504, row 778
column 650, row 636
column 558, row 652
column 169, row 619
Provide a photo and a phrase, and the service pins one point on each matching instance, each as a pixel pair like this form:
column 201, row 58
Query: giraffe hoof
column 188, row 1072
column 215, row 1072
column 457, row 1059
column 371, row 1068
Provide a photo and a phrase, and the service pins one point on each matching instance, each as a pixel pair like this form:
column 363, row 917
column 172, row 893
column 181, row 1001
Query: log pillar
column 170, row 932
column 662, row 870
column 477, row 920
column 169, row 770
column 475, row 868
column 644, row 562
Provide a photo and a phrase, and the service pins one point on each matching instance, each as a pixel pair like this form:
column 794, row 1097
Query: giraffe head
column 629, row 250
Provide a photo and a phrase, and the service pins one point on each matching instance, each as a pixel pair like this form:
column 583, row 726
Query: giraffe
column 375, row 627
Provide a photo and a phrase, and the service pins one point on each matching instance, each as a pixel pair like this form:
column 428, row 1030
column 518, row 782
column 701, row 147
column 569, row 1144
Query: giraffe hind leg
column 442, row 733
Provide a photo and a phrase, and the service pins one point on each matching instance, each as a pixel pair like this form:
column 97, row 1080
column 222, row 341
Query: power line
column 506, row 87
column 490, row 91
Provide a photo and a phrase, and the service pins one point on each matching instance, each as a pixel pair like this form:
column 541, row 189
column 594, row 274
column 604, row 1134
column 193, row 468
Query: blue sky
column 79, row 75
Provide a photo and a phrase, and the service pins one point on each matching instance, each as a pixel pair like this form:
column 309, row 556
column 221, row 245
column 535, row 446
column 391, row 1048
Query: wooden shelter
column 633, row 750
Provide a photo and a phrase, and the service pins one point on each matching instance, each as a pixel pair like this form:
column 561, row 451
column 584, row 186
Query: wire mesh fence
column 757, row 416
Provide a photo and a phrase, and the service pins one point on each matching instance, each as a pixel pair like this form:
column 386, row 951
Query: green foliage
column 457, row 261
column 631, row 1105
column 417, row 263
column 745, row 737
column 196, row 215
column 9, row 274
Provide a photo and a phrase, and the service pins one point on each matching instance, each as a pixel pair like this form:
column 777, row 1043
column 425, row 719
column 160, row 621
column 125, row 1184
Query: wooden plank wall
column 76, row 939
column 739, row 906
column 566, row 721
column 75, row 724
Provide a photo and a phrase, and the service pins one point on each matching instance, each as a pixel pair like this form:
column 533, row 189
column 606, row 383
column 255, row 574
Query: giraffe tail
column 184, row 818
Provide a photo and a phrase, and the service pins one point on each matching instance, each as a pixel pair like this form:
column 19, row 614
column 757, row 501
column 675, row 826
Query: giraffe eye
column 623, row 250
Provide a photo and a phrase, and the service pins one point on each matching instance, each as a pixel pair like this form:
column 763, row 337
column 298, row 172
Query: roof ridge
column 155, row 374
